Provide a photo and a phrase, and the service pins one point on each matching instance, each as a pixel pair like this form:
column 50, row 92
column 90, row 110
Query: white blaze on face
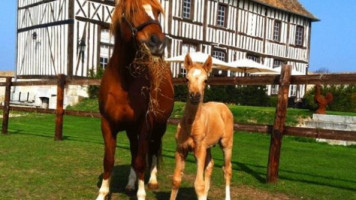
column 196, row 72
column 149, row 11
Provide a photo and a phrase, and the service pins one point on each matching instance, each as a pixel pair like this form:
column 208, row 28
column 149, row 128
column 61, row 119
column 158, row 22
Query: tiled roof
column 292, row 6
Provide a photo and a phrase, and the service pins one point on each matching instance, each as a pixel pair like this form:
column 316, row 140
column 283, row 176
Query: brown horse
column 202, row 126
column 136, row 93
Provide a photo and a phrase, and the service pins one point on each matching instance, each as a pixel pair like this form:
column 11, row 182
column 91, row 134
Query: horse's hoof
column 152, row 186
column 130, row 191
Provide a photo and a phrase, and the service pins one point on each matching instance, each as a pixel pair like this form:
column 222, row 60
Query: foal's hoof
column 152, row 186
column 130, row 191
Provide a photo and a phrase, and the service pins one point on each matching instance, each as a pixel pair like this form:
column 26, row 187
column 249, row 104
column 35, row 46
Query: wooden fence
column 277, row 130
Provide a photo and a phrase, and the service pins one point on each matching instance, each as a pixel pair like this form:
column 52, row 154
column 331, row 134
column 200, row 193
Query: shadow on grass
column 118, row 181
column 120, row 178
column 183, row 193
column 238, row 166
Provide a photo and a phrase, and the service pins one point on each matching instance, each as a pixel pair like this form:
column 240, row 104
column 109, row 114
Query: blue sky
column 333, row 44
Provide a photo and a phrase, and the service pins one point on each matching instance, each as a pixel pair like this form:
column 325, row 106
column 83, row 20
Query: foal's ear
column 208, row 64
column 188, row 63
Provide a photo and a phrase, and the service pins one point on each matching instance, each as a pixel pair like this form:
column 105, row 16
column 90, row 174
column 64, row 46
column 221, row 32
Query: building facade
column 71, row 36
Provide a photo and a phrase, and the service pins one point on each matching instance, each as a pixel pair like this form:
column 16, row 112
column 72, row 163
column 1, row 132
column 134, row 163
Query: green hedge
column 93, row 90
column 245, row 95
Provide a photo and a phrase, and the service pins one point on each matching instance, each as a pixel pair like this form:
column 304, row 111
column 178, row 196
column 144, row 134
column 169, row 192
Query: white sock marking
column 227, row 192
column 104, row 189
column 132, row 180
column 153, row 176
column 141, row 193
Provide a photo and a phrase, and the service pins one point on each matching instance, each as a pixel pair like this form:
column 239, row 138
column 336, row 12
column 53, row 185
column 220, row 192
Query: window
column 277, row 31
column 293, row 90
column 253, row 57
column 299, row 36
column 277, row 63
column 103, row 62
column 274, row 89
column 221, row 55
column 187, row 8
column 221, row 15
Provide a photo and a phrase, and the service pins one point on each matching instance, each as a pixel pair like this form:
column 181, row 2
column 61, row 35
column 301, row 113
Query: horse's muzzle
column 156, row 45
column 194, row 98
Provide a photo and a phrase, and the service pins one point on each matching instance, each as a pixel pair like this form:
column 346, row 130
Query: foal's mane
column 131, row 9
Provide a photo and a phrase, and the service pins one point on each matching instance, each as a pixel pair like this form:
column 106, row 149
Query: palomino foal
column 202, row 126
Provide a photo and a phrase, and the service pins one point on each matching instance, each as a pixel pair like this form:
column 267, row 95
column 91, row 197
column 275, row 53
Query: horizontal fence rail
column 277, row 130
column 253, row 128
column 331, row 79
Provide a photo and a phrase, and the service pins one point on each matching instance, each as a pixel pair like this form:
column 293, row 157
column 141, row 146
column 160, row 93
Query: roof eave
column 312, row 18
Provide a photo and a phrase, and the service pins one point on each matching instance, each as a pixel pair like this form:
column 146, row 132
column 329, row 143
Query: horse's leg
column 140, row 160
column 139, row 166
column 226, row 144
column 154, row 154
column 178, row 172
column 131, row 187
column 109, row 157
column 209, row 165
column 199, row 184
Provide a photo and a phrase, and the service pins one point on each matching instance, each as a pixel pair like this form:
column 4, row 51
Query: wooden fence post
column 59, row 110
column 6, row 109
column 278, row 127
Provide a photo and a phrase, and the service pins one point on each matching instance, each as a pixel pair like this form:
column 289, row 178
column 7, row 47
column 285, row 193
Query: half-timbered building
column 71, row 37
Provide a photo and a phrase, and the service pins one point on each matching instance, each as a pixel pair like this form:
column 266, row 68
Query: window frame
column 299, row 36
column 225, row 15
column 221, row 51
column 277, row 61
column 277, row 36
column 191, row 9
column 254, row 57
column 219, row 72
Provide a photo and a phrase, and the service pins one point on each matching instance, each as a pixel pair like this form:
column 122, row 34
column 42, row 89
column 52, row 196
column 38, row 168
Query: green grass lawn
column 34, row 166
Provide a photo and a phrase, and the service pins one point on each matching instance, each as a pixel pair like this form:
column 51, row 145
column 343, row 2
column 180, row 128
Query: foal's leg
column 199, row 184
column 178, row 172
column 110, row 146
column 227, row 149
column 209, row 165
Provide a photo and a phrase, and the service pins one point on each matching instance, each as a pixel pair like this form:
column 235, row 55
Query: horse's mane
column 131, row 8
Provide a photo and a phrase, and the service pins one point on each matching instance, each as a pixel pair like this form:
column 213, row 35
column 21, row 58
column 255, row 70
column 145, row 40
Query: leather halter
column 135, row 30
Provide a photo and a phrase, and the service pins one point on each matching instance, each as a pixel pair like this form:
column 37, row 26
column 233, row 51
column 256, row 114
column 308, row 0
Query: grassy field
column 34, row 166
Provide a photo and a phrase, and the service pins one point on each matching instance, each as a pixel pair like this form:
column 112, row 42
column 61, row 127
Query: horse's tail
column 155, row 145
column 154, row 152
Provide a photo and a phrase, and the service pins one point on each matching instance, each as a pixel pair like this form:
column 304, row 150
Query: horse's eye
column 206, row 80
column 186, row 80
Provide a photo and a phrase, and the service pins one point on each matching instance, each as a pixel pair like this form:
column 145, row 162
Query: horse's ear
column 188, row 63
column 208, row 64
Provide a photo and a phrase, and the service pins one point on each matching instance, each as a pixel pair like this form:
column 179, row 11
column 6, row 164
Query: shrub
column 93, row 90
column 245, row 95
